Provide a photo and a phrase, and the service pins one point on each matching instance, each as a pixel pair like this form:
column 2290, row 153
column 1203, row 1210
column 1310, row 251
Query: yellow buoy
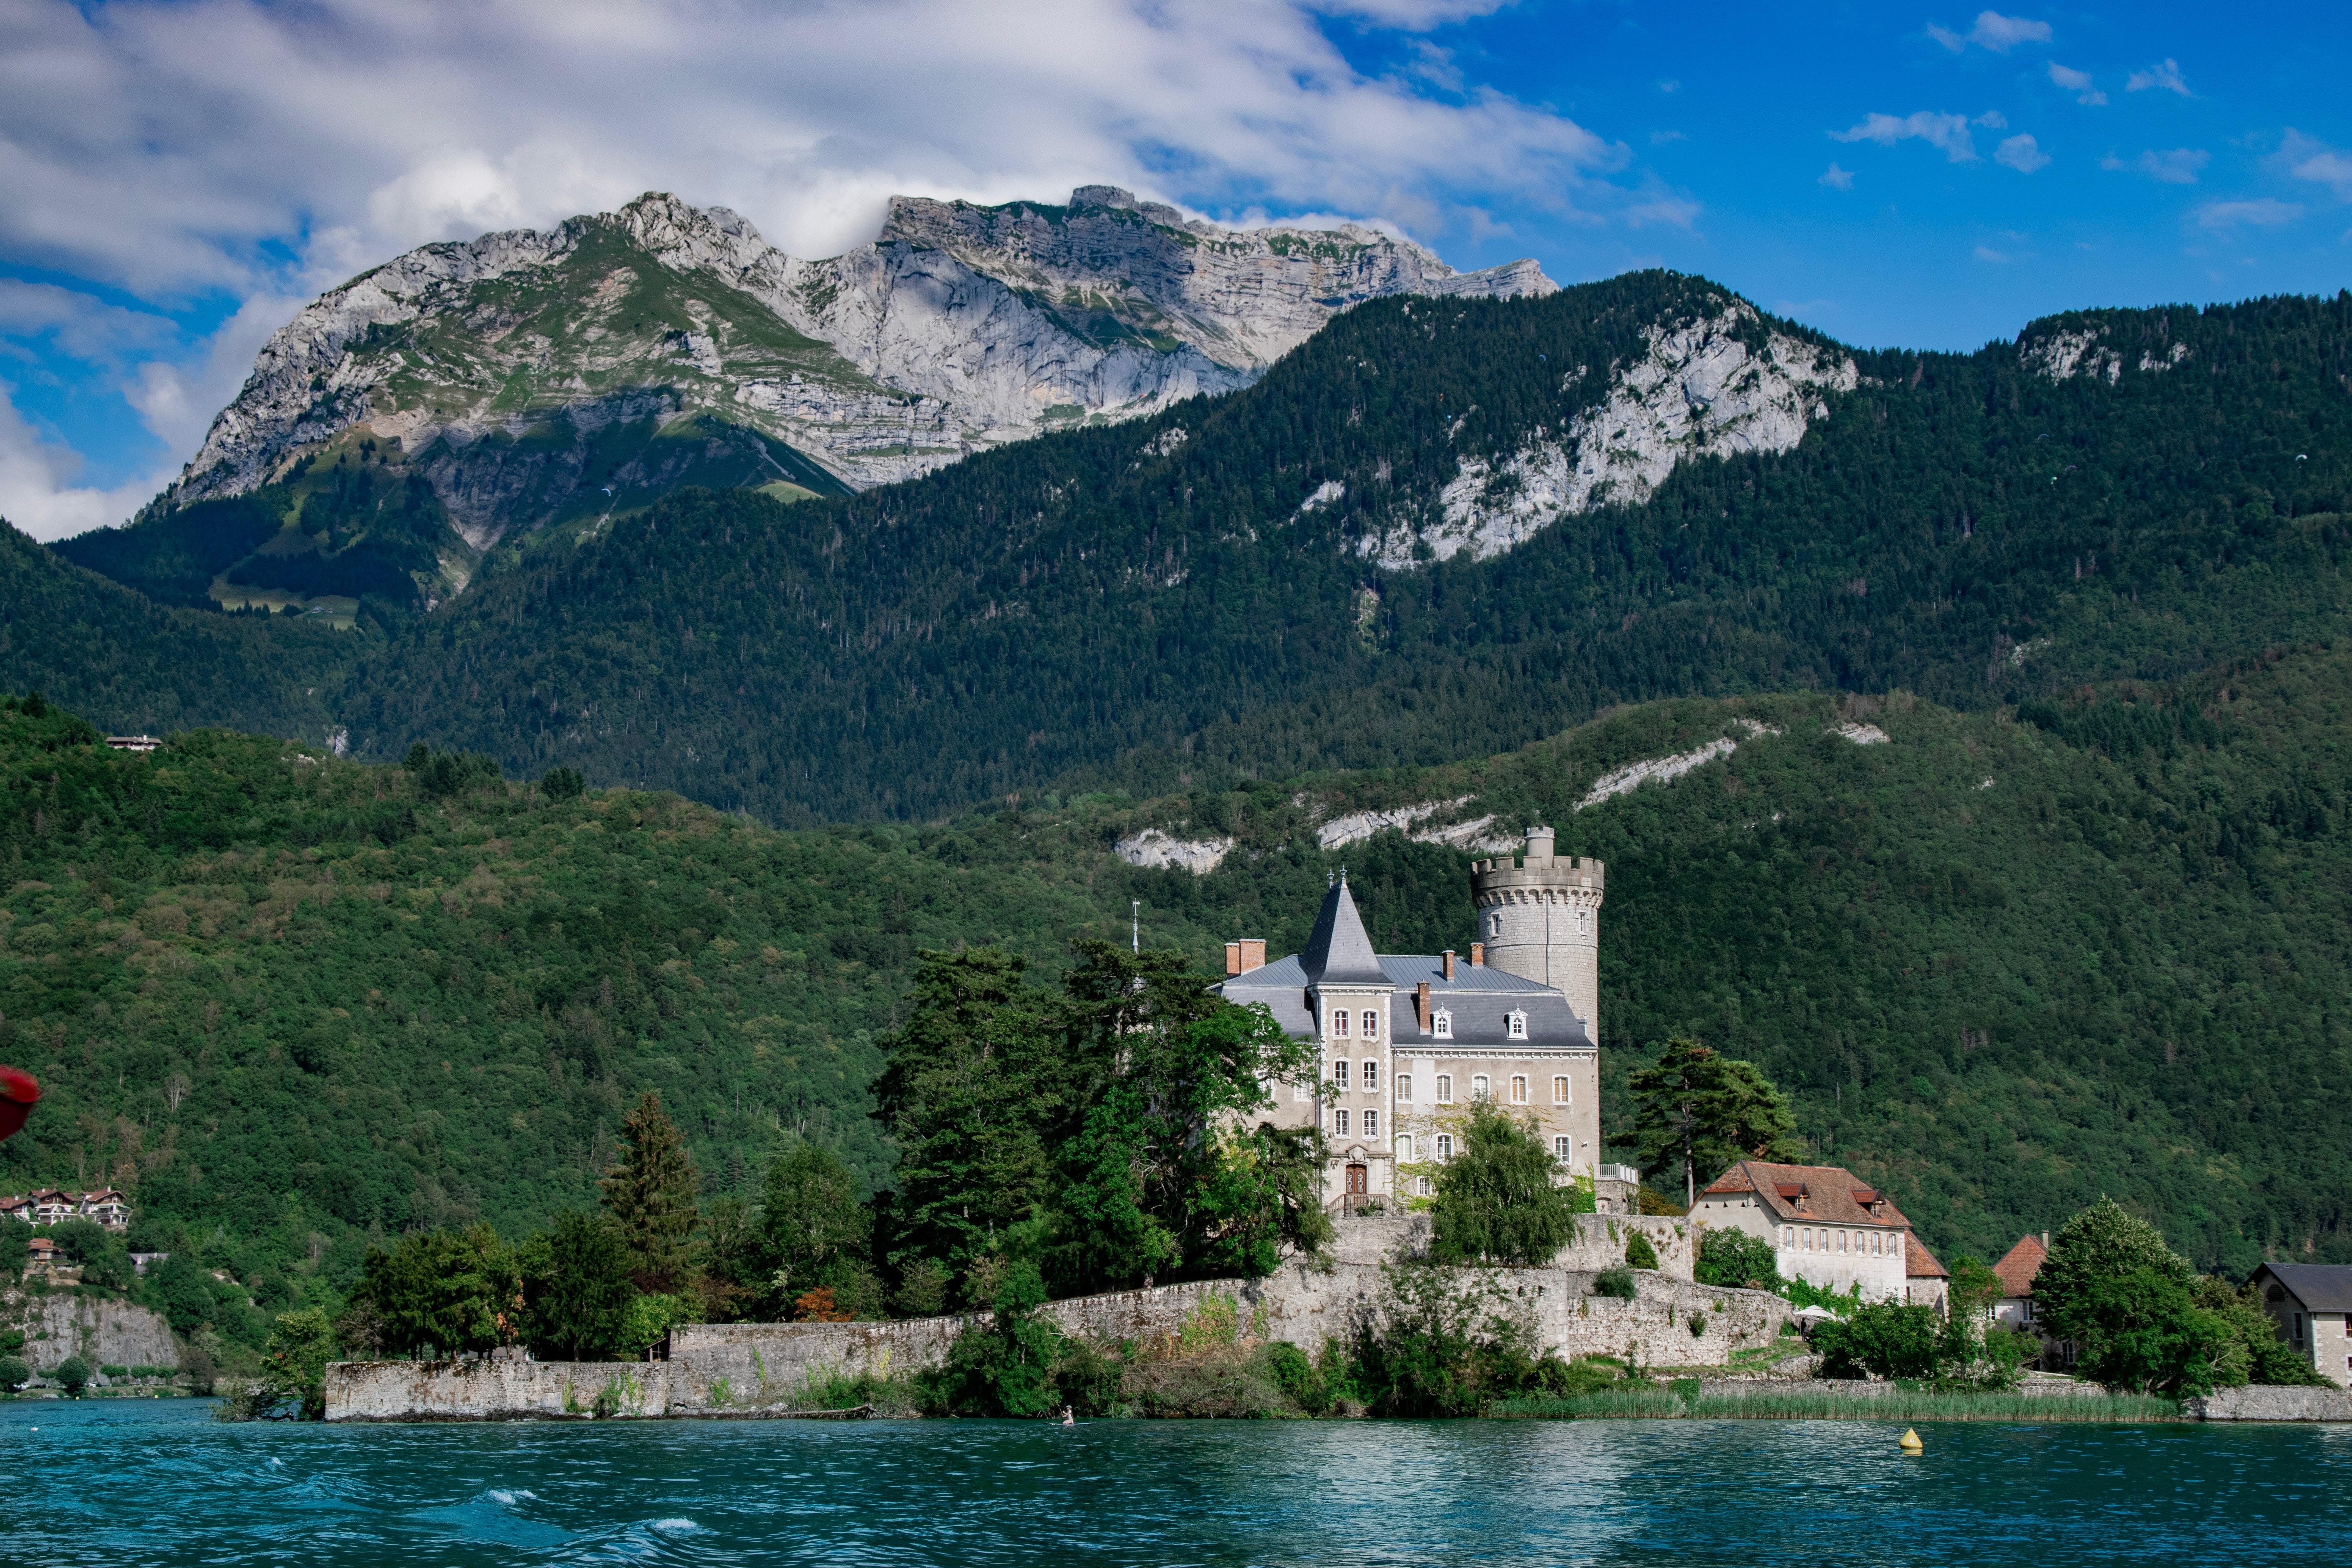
column 1911, row 1444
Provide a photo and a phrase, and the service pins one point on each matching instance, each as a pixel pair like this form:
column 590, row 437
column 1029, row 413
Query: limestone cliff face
column 526, row 368
column 1713, row 386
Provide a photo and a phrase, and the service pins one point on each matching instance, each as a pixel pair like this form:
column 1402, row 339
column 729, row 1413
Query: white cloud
column 2166, row 75
column 2078, row 83
column 1837, row 179
column 37, row 492
column 2308, row 159
column 1993, row 31
column 1948, row 133
column 171, row 146
column 80, row 325
column 1986, row 253
column 2001, row 33
column 2180, row 166
column 1991, row 119
column 2266, row 212
column 2022, row 154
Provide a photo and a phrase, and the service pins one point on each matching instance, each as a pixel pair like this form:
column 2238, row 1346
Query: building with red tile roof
column 1826, row 1225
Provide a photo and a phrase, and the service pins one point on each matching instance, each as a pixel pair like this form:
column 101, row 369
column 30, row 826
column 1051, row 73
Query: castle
column 1411, row 1041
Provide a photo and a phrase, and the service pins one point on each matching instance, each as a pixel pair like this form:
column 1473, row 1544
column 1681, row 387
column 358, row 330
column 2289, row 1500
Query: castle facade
column 1411, row 1041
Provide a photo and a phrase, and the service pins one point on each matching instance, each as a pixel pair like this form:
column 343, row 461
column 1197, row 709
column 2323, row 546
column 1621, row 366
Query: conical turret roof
column 1340, row 953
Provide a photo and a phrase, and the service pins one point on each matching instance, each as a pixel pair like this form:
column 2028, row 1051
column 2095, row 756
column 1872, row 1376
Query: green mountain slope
column 2006, row 960
column 135, row 665
column 1167, row 600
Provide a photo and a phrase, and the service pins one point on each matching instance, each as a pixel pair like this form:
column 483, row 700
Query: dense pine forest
column 2005, row 960
column 1146, row 606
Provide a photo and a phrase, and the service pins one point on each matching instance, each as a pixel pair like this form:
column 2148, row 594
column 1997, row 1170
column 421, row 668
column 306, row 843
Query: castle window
column 1518, row 1030
column 1372, row 1123
column 1582, row 919
column 1495, row 924
column 1788, row 1236
column 1339, row 1023
column 1404, row 1086
column 1444, row 1024
column 1404, row 1147
column 1445, row 1151
column 1371, row 1077
column 1421, row 1186
column 1518, row 1088
column 1339, row 1122
column 1371, row 1024
column 1480, row 1087
column 1446, row 1088
column 1561, row 1148
column 1340, row 1073
column 1559, row 1090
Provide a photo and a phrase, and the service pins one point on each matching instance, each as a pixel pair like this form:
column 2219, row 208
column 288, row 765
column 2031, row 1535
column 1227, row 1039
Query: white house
column 2312, row 1305
column 1827, row 1226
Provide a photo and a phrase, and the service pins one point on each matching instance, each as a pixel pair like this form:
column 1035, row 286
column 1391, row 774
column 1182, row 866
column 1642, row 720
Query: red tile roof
column 1815, row 1194
column 2018, row 1267
column 1918, row 1263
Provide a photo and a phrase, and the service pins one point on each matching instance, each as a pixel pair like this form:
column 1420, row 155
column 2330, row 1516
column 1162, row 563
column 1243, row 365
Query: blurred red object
column 17, row 1094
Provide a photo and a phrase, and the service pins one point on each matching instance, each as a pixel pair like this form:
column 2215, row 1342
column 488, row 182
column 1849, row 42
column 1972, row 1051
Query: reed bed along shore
column 1659, row 1402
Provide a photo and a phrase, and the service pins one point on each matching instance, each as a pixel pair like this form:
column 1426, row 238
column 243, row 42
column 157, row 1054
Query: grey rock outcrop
column 100, row 1332
column 959, row 328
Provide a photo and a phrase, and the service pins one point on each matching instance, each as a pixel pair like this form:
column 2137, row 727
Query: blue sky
column 176, row 176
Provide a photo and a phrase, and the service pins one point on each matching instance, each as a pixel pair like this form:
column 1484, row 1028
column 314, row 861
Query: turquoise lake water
column 159, row 1482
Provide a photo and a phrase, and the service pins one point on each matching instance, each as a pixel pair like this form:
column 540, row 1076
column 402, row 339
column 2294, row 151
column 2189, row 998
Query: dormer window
column 1442, row 1026
column 1518, row 1026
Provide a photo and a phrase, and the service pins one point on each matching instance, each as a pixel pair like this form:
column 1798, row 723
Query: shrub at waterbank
column 1736, row 1259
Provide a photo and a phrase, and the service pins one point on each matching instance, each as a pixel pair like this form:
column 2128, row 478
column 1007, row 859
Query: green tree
column 651, row 1194
column 818, row 1235
column 2268, row 1358
column 2128, row 1302
column 294, row 1360
column 1696, row 1111
column 563, row 784
column 1003, row 1367
column 447, row 1290
column 72, row 1374
column 1736, row 1259
column 577, row 1287
column 1885, row 1338
column 1497, row 1200
column 14, row 1373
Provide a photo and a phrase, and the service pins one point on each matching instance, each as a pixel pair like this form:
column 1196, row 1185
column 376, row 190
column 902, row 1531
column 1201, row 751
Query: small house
column 1826, row 1225
column 2311, row 1306
column 2016, row 1309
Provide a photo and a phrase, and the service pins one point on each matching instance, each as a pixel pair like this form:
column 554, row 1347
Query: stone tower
column 1539, row 917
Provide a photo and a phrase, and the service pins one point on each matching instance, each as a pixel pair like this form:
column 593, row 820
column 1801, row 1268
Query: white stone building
column 1410, row 1042
column 1828, row 1227
column 2311, row 1303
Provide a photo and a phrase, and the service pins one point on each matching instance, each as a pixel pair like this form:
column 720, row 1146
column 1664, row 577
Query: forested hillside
column 1149, row 604
column 2006, row 959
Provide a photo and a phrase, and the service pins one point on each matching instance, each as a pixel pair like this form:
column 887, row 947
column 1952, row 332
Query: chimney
column 1477, row 953
column 1421, row 1006
column 1232, row 959
column 2045, row 1241
column 1449, row 964
column 1252, row 954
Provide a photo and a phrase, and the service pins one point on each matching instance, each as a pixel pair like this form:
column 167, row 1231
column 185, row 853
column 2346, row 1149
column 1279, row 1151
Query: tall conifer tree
column 651, row 1195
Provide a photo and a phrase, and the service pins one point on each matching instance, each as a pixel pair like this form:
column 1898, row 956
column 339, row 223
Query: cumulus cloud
column 38, row 489
column 1948, row 133
column 2078, row 83
column 171, row 145
column 1837, row 179
column 2307, row 158
column 2022, row 154
column 2266, row 212
column 2166, row 75
column 2180, row 166
column 1993, row 31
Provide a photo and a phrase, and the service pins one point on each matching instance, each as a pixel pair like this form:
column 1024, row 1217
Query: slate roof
column 1480, row 998
column 2018, row 1267
column 2320, row 1286
column 1341, row 951
column 1811, row 1194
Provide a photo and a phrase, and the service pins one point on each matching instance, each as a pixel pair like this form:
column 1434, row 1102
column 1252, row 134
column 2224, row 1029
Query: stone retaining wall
column 2264, row 1402
column 752, row 1369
